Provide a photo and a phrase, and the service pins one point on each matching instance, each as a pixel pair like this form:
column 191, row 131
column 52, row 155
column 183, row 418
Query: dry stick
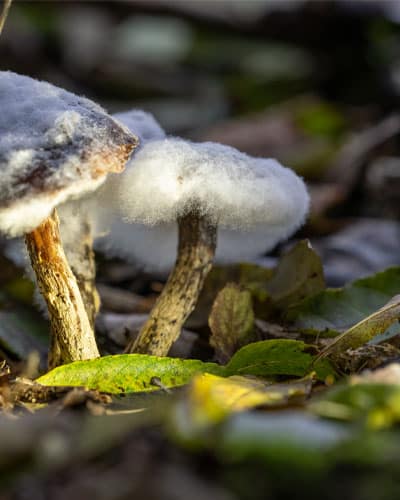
column 196, row 249
column 4, row 13
column 72, row 335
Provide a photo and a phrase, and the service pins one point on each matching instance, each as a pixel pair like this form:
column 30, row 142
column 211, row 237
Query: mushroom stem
column 81, row 258
column 196, row 249
column 72, row 336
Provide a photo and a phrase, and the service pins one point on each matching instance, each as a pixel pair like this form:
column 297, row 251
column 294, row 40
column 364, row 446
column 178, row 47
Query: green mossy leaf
column 128, row 373
column 277, row 357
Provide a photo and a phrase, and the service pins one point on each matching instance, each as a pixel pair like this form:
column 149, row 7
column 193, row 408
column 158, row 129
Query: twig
column 4, row 13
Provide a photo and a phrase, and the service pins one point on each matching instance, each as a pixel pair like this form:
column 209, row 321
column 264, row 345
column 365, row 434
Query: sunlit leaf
column 139, row 372
column 211, row 398
column 128, row 373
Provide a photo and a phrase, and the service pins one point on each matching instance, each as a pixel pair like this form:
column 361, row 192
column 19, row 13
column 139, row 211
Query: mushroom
column 54, row 146
column 202, row 187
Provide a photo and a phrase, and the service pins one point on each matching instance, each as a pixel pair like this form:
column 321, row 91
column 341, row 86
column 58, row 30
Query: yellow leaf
column 212, row 398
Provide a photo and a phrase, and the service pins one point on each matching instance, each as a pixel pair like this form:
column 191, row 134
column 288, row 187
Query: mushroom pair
column 201, row 188
column 54, row 146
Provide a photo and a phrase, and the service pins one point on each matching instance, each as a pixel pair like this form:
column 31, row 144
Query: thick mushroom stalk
column 72, row 335
column 196, row 250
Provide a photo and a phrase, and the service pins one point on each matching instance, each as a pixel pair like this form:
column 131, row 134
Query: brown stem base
column 72, row 336
column 196, row 249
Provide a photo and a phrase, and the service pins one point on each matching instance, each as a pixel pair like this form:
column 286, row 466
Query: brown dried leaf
column 231, row 321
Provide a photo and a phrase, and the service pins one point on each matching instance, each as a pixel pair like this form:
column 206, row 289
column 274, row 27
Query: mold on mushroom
column 230, row 187
column 154, row 245
column 54, row 146
column 93, row 217
column 202, row 187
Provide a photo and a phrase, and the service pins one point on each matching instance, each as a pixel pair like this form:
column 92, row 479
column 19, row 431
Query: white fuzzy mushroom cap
column 54, row 146
column 173, row 177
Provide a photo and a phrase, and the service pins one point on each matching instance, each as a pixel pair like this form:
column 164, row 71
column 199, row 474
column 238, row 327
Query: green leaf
column 139, row 372
column 128, row 373
column 334, row 310
column 366, row 329
column 277, row 357
column 231, row 321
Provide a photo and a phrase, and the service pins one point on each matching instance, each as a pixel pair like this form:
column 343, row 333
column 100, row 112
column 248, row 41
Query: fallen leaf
column 364, row 331
column 209, row 399
column 125, row 373
column 231, row 321
column 335, row 310
column 128, row 373
column 277, row 357
column 298, row 275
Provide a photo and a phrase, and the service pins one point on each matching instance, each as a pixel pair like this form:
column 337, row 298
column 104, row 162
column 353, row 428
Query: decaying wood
column 72, row 336
column 196, row 249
